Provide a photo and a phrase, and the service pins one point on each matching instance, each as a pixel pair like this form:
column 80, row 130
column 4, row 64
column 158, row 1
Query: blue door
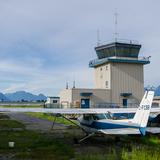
column 85, row 103
column 124, row 102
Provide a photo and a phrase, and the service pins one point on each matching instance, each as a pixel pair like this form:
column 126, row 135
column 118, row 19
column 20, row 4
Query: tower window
column 106, row 84
column 101, row 69
column 107, row 67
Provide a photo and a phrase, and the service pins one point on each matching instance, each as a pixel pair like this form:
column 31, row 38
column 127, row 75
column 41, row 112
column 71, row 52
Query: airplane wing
column 67, row 110
column 120, row 131
column 74, row 110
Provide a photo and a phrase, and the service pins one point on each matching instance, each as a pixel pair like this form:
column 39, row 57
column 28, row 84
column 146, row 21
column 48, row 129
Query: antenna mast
column 66, row 85
column 116, row 25
column 74, row 84
column 98, row 38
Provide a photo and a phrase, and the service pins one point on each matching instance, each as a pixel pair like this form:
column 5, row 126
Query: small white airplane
column 94, row 121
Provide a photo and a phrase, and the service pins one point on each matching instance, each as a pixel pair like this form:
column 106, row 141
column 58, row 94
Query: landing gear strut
column 86, row 137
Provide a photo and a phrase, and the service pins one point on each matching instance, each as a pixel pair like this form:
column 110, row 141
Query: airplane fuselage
column 89, row 124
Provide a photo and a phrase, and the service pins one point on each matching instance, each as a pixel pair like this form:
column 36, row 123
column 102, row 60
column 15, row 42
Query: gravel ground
column 33, row 123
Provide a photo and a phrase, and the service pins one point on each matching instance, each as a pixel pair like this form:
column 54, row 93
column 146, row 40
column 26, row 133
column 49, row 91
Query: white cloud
column 43, row 44
column 39, row 80
column 53, row 82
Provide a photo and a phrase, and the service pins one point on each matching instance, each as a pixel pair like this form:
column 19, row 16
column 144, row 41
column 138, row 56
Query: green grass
column 129, row 148
column 33, row 145
column 107, row 156
column 148, row 140
column 142, row 153
column 3, row 116
column 135, row 153
column 50, row 117
column 23, row 106
column 10, row 124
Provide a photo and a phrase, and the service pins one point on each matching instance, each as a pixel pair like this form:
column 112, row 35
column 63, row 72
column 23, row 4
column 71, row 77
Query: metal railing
column 115, row 105
column 119, row 40
column 130, row 58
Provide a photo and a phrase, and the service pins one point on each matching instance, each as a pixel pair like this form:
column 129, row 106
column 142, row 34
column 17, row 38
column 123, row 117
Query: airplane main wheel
column 117, row 139
column 76, row 141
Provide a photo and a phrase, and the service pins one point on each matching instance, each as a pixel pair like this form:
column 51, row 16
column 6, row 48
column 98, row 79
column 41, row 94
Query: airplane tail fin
column 143, row 111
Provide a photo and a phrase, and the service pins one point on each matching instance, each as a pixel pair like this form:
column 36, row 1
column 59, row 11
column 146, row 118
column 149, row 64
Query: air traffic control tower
column 119, row 78
column 119, row 69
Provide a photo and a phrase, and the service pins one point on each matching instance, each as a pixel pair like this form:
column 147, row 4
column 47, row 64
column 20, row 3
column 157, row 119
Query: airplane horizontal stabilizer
column 122, row 131
column 153, row 130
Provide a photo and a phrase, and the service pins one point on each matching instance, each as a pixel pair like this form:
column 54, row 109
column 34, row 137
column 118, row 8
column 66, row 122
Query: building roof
column 86, row 94
column 126, row 94
column 157, row 98
column 98, row 62
column 54, row 97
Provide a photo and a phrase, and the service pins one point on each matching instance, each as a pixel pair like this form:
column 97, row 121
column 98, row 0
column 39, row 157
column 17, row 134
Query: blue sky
column 44, row 43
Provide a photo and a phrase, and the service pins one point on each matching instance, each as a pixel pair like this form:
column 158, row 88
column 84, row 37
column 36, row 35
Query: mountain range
column 155, row 89
column 26, row 96
column 22, row 96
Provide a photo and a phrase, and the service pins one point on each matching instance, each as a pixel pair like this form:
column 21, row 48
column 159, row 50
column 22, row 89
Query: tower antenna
column 66, row 85
column 116, row 25
column 98, row 38
column 74, row 81
column 74, row 84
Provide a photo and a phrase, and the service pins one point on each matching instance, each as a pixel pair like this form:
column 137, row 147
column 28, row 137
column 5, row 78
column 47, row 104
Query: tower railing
column 130, row 58
column 97, row 61
column 119, row 40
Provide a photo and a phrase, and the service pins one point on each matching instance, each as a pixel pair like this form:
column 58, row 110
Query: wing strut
column 60, row 115
column 55, row 117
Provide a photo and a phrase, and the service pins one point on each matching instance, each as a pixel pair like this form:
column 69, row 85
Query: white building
column 52, row 102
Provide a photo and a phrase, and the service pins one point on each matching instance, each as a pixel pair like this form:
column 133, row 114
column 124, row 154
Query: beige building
column 118, row 76
column 156, row 101
column 79, row 97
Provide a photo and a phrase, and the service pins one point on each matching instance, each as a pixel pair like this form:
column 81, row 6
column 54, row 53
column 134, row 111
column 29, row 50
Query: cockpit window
column 87, row 117
column 99, row 116
column 109, row 115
